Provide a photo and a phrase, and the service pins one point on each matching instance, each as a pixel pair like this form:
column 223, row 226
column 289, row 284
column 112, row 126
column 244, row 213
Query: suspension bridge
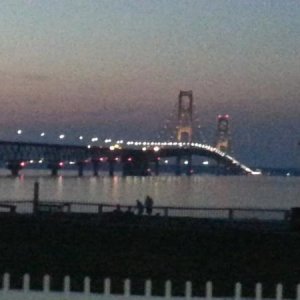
column 136, row 158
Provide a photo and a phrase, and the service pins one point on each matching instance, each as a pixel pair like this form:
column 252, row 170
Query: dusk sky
column 113, row 68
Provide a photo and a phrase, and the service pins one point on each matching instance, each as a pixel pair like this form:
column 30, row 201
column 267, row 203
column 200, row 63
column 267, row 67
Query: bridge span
column 134, row 158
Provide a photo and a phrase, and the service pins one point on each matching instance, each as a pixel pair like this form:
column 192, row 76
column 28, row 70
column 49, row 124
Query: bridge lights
column 81, row 137
column 19, row 131
column 61, row 136
column 156, row 148
column 112, row 148
column 94, row 139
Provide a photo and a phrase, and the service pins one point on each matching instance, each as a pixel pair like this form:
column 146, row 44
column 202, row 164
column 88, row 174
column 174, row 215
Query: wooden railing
column 228, row 213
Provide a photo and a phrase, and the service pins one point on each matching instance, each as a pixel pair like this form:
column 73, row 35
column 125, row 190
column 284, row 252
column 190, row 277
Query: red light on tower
column 61, row 164
column 129, row 158
column 22, row 164
column 223, row 117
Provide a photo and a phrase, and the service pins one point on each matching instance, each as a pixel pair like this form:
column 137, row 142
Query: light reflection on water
column 212, row 191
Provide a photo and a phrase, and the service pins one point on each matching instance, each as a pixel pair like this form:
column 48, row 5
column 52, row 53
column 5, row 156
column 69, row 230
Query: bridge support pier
column 80, row 166
column 54, row 172
column 136, row 165
column 156, row 167
column 189, row 170
column 95, row 164
column 111, row 167
column 178, row 166
column 54, row 167
column 14, row 167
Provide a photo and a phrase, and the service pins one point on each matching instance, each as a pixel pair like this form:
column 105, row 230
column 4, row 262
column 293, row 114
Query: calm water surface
column 212, row 191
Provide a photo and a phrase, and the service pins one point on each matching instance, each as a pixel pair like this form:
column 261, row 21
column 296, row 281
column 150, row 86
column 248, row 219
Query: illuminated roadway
column 18, row 155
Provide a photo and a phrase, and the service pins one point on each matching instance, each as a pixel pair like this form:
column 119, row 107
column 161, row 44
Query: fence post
column 258, row 291
column 279, row 291
column 69, row 207
column 87, row 286
column 168, row 289
column 166, row 212
column 36, row 192
column 67, row 284
column 100, row 209
column 298, row 292
column 107, row 285
column 127, row 287
column 148, row 288
column 46, row 283
column 188, row 290
column 6, row 282
column 208, row 290
column 238, row 291
column 26, row 283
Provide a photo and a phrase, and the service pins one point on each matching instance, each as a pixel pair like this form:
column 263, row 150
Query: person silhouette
column 148, row 205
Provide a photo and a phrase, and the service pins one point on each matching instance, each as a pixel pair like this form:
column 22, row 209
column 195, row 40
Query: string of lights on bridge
column 146, row 145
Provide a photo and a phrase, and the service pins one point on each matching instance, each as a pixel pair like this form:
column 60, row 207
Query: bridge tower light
column 185, row 116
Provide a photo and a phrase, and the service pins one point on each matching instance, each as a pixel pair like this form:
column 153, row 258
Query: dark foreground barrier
column 295, row 218
column 149, row 247
column 86, row 290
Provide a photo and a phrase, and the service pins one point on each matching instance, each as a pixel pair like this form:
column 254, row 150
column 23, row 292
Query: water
column 195, row 191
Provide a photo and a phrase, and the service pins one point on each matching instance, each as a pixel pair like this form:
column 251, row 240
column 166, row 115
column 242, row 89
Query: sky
column 114, row 68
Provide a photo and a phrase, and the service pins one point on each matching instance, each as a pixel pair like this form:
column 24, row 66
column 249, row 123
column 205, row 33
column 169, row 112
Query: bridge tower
column 223, row 135
column 185, row 117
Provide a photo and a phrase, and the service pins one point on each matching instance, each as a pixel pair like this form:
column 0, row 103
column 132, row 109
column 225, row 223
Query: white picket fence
column 25, row 293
